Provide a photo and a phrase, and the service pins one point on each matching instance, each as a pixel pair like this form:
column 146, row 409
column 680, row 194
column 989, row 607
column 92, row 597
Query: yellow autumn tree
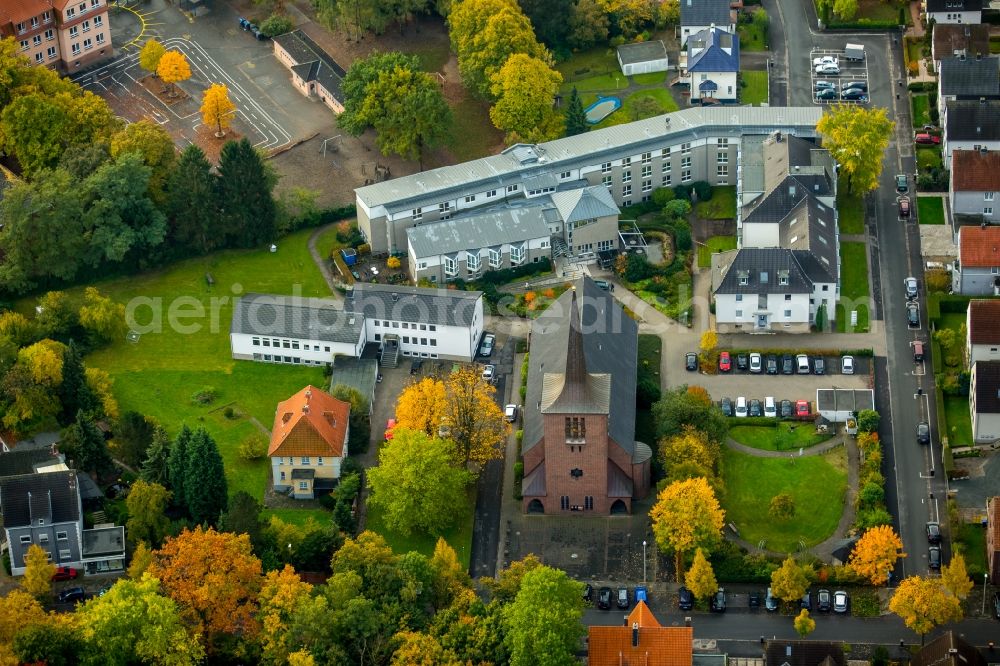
column 141, row 559
column 955, row 577
column 217, row 109
column 280, row 594
column 18, row 609
column 393, row 263
column 44, row 360
column 804, row 625
column 924, row 603
column 856, row 138
column 790, row 581
column 149, row 56
column 700, row 578
column 709, row 341
column 37, row 579
column 686, row 516
column 875, row 554
column 475, row 421
column 173, row 68
column 421, row 406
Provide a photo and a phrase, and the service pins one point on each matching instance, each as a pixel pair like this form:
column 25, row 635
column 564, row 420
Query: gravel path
column 320, row 260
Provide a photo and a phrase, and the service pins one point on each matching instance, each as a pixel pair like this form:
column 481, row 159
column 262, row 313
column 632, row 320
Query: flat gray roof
column 631, row 54
column 486, row 229
column 845, row 400
column 446, row 307
column 295, row 317
column 360, row 374
column 104, row 541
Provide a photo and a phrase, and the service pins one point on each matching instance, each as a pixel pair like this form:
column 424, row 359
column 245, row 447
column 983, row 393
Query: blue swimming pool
column 601, row 109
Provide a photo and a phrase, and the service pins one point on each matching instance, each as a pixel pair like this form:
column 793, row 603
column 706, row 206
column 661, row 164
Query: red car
column 390, row 425
column 927, row 139
column 725, row 362
column 801, row 409
column 65, row 573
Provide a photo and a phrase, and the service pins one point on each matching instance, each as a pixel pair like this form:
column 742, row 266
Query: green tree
column 360, row 430
column 133, row 435
column 50, row 643
column 150, row 54
column 147, row 505
column 155, row 468
column 700, row 578
column 191, row 203
column 542, row 625
column 362, row 74
column 680, row 406
column 588, row 25
column 245, row 184
column 205, row 489
column 857, row 138
column 133, row 623
column 82, row 160
column 177, row 466
column 629, row 16
column 26, row 405
column 790, row 581
column 782, row 507
column 56, row 317
column 416, row 484
column 576, row 119
column 550, row 19
column 156, row 148
column 868, row 420
column 88, row 441
column 524, row 89
column 74, row 393
column 804, row 625
column 50, row 207
column 101, row 317
column 242, row 516
column 845, row 9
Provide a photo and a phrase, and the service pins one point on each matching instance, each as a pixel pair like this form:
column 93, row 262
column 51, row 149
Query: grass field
column 920, row 104
column 956, row 411
column 972, row 536
column 817, row 485
column 877, row 10
column 585, row 64
column 714, row 244
column 639, row 105
column 755, row 91
column 473, row 135
column 458, row 537
column 930, row 210
column 844, row 319
column 854, row 267
column 651, row 79
column 762, row 437
column 722, row 205
column 850, row 210
column 158, row 375
column 299, row 516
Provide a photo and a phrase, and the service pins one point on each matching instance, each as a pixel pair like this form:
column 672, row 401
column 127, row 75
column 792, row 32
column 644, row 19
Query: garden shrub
column 938, row 280
column 702, row 189
column 732, row 565
column 276, row 24
column 205, row 396
column 229, row 413
column 872, row 518
column 647, row 391
column 870, row 495
column 866, row 604
column 663, row 195
column 682, row 192
column 254, row 447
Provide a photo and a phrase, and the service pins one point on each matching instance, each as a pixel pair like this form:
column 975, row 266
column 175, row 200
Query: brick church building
column 579, row 449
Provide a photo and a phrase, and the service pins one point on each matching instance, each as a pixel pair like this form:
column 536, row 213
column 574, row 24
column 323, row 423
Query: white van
column 802, row 361
column 770, row 410
column 741, row 407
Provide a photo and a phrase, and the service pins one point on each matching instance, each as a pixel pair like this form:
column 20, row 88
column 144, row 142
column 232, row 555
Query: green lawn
column 995, row 44
column 920, row 104
column 585, row 64
column 877, row 10
column 473, row 135
column 753, row 36
column 722, row 205
column 651, row 79
column 433, row 54
column 755, row 91
column 714, row 244
column 458, row 537
column 854, row 271
column 954, row 321
column 639, row 105
column 850, row 209
column 299, row 516
column 930, row 210
column 649, row 365
column 607, row 82
column 956, row 410
column 972, row 536
column 802, row 435
column 929, row 158
column 157, row 375
column 817, row 485
column 843, row 319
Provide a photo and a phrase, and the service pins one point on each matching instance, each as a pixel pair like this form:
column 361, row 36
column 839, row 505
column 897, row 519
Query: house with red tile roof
column 308, row 443
column 977, row 272
column 975, row 181
column 982, row 331
column 642, row 640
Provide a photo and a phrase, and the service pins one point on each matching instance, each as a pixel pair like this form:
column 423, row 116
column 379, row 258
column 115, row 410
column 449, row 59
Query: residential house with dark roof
column 803, row 653
column 968, row 39
column 787, row 266
column 711, row 65
column 308, row 443
column 698, row 15
column 984, row 402
column 993, row 539
column 948, row 649
column 977, row 271
column 579, row 450
column 967, row 78
column 314, row 72
column 642, row 640
column 975, row 182
column 28, row 460
column 982, row 331
column 954, row 11
column 970, row 125
column 643, row 57
column 45, row 509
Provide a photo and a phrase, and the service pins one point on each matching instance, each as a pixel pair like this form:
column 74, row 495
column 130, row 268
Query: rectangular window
column 722, row 142
column 303, row 485
column 722, row 170
column 76, row 49
column 450, row 266
column 304, row 460
column 21, row 27
column 685, row 175
column 723, row 158
column 416, row 214
column 627, row 161
column 685, row 162
column 46, row 17
column 576, row 427
column 987, row 210
column 86, row 26
column 788, row 314
column 739, row 297
column 50, row 34
column 445, row 207
column 626, row 176
column 43, row 538
column 406, row 325
column 434, row 343
column 62, row 536
column 70, row 13
column 473, row 261
column 516, row 257
column 588, row 503
column 95, row 3
column 490, row 194
column 686, row 148
column 25, row 538
column 256, row 342
column 606, row 167
column 496, row 260
column 666, row 180
column 564, row 502
column 565, row 175
column 74, row 31
column 423, row 341
column 511, row 188
column 666, row 167
column 469, row 198
column 319, row 461
column 739, row 313
column 64, row 554
column 988, row 196
column 432, row 327
column 647, row 158
column 647, row 186
column 607, row 181
column 25, row 44
column 406, row 339
column 295, row 344
column 647, row 171
column 36, row 40
column 98, row 21
column 627, row 191
column 39, row 58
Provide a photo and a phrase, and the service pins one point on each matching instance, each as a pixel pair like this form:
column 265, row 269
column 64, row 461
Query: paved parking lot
column 851, row 72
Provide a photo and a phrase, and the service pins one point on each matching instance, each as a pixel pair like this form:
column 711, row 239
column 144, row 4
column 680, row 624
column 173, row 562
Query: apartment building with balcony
column 64, row 35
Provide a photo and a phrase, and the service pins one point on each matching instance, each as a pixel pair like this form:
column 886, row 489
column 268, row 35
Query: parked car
column 489, row 373
column 912, row 314
column 927, row 139
column 786, row 410
column 934, row 558
column 685, row 600
column 802, row 408
column 770, row 601
column 901, row 185
column 390, row 425
column 824, row 85
column 755, row 407
column 825, row 60
column 105, row 589
column 71, row 594
column 826, row 93
column 727, row 407
column 742, row 362
column 787, row 365
column 753, row 600
column 933, row 533
column 604, row 598
column 691, row 361
column 819, row 365
column 860, row 85
column 923, row 433
column 65, row 573
column 588, row 593
column 641, row 594
column 486, row 348
column 755, row 365
column 510, row 413
column 904, row 207
column 847, row 365
column 802, row 364
column 725, row 362
column 770, row 410
column 741, row 407
column 807, row 601
column 828, row 69
column 772, row 364
column 823, row 603
column 840, row 601
column 621, row 598
column 911, row 287
column 718, row 604
column 854, row 95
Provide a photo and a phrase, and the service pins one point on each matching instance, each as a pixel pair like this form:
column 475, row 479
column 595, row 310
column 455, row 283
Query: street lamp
column 986, row 577
column 644, row 568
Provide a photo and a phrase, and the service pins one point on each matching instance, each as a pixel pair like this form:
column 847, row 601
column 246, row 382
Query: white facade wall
column 728, row 88
column 780, row 313
column 648, row 67
column 422, row 340
column 956, row 17
column 433, row 268
column 824, row 292
column 975, row 281
column 308, row 352
column 985, row 428
column 986, row 204
column 984, row 353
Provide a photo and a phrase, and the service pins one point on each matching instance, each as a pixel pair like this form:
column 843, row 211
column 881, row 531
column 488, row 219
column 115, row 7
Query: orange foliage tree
column 700, row 393
column 173, row 67
column 876, row 553
column 686, row 516
column 215, row 578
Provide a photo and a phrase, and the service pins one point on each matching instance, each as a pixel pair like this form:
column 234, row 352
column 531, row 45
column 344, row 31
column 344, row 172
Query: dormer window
column 783, row 278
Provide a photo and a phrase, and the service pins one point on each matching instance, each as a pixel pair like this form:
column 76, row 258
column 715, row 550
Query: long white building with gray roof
column 629, row 160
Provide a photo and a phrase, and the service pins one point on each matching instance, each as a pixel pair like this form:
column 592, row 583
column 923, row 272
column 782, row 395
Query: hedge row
column 871, row 507
column 922, row 86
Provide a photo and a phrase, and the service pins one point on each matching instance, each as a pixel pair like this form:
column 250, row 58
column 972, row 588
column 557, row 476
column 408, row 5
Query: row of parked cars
column 772, row 364
column 620, row 597
column 771, row 408
column 825, row 602
column 852, row 91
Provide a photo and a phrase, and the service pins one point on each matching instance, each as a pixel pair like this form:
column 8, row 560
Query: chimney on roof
column 961, row 56
column 305, row 408
column 635, row 634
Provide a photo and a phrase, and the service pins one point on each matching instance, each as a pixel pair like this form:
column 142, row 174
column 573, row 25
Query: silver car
column 755, row 364
column 911, row 287
column 840, row 601
column 847, row 365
